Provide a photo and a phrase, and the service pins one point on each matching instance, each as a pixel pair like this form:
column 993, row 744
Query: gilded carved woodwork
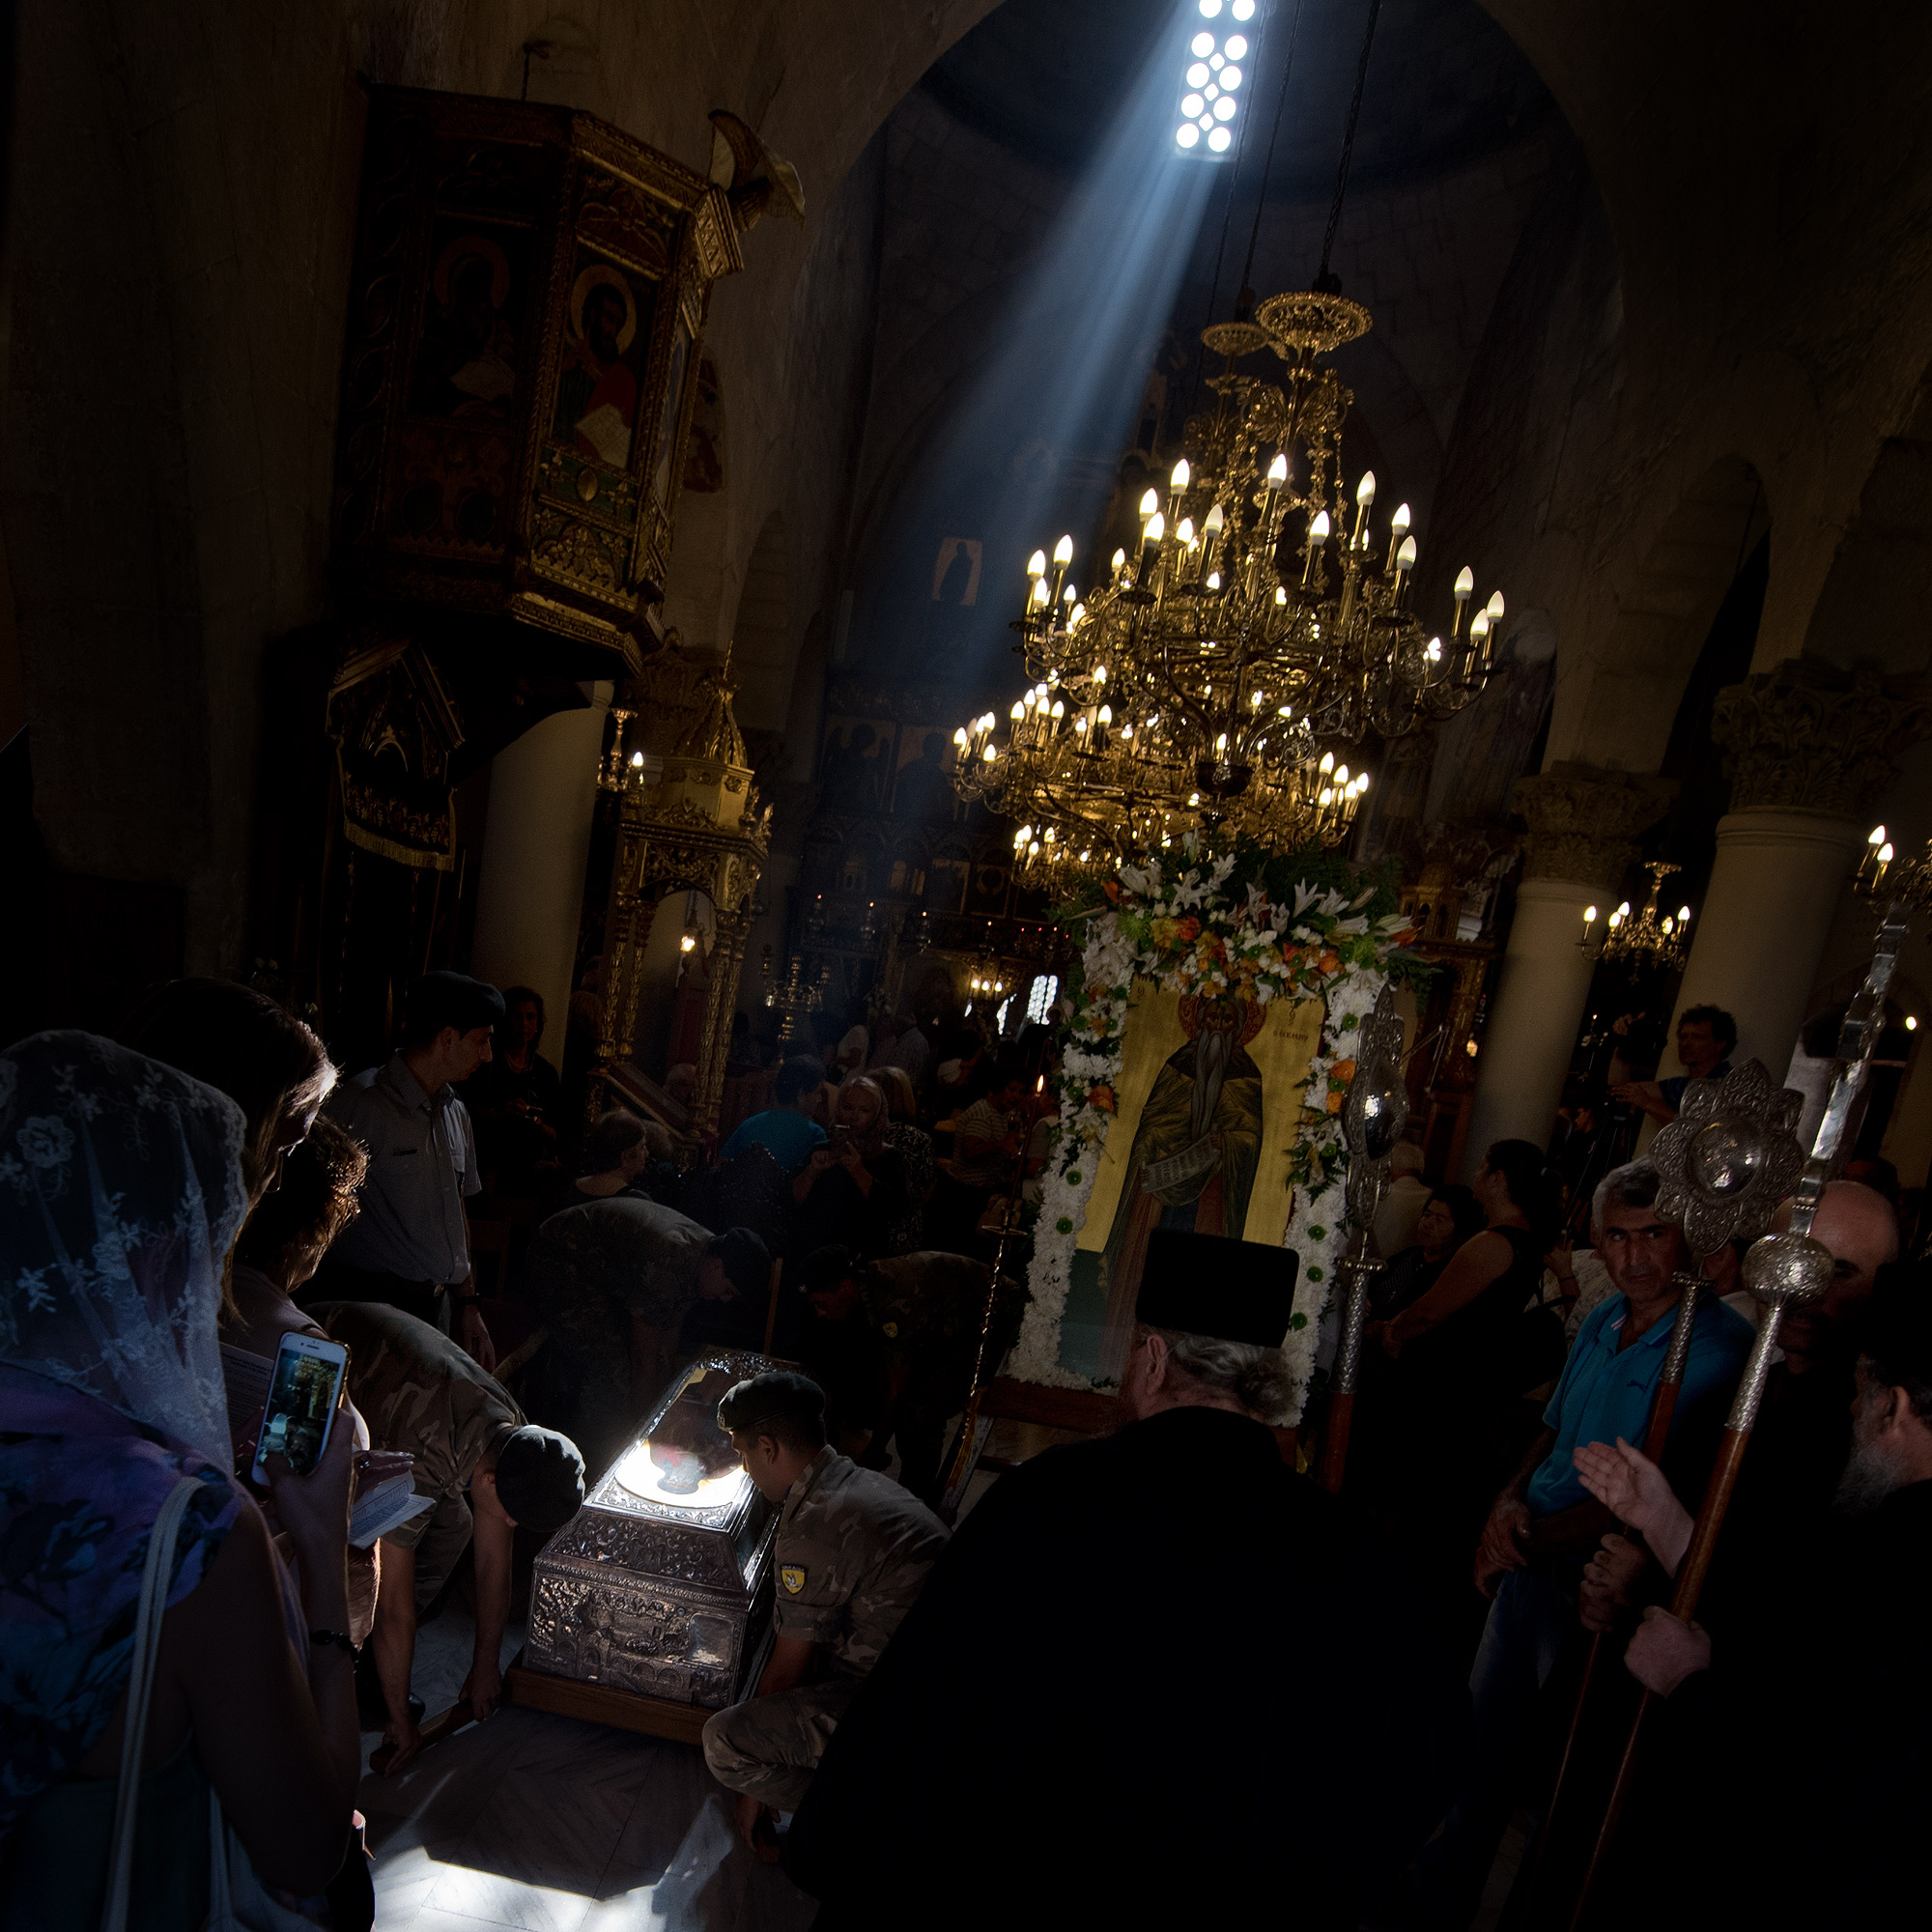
column 526, row 309
column 699, row 827
column 1810, row 737
column 1582, row 821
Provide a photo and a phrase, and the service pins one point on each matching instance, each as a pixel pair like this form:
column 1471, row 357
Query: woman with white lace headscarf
column 120, row 1189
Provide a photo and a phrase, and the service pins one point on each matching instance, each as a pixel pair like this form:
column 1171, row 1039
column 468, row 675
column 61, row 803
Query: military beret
column 1209, row 1285
column 746, row 1258
column 440, row 999
column 777, row 1395
column 539, row 1478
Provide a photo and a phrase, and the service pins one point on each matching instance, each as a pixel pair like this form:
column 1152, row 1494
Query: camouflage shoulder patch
column 792, row 1576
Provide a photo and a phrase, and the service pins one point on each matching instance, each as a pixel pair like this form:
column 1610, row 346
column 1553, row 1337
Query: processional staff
column 1725, row 1164
column 1373, row 1118
column 1780, row 1270
column 966, row 1450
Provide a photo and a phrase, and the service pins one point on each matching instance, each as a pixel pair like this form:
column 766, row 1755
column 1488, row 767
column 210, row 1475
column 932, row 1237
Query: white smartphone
column 301, row 1405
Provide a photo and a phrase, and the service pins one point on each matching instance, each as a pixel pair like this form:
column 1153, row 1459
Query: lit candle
column 1465, row 589
column 1318, row 535
column 1397, row 530
column 1365, row 497
column 1211, row 540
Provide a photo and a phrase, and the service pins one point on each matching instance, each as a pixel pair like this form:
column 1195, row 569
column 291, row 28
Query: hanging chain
column 1268, row 162
column 1323, row 279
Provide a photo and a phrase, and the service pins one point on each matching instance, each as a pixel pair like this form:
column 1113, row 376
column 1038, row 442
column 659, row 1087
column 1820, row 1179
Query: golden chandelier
column 1228, row 674
column 1651, row 938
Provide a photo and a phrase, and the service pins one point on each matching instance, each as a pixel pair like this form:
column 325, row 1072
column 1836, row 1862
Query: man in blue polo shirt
column 787, row 1126
column 1545, row 1525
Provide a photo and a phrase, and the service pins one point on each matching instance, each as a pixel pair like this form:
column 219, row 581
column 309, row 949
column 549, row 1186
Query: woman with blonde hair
column 853, row 1192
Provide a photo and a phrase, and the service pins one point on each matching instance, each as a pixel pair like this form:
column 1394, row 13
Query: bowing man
column 1155, row 1677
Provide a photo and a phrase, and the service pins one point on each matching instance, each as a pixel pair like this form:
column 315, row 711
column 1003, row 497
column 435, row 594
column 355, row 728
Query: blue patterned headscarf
column 120, row 1190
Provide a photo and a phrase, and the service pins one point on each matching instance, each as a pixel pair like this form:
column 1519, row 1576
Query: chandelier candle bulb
column 1365, row 497
column 1037, row 564
column 1397, row 530
column 1465, row 589
column 1404, row 562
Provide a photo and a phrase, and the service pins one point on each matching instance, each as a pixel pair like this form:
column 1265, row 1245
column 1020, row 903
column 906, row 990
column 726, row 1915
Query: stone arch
column 1636, row 670
column 762, row 652
column 1870, row 607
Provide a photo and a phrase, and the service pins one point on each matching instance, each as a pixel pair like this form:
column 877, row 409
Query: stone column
column 1810, row 750
column 1582, row 822
column 529, row 893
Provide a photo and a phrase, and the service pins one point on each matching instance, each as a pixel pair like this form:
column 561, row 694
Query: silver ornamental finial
column 1377, row 1109
column 1729, row 1157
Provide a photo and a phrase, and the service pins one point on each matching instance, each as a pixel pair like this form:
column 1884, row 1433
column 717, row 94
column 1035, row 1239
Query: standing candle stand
column 1724, row 1163
column 1373, row 1118
column 1780, row 1270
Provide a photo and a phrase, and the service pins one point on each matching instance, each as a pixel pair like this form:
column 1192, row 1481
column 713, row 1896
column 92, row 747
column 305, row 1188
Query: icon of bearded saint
column 597, row 394
column 1195, row 1151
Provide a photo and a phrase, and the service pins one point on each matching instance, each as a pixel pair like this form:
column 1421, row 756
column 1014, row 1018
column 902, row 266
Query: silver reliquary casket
column 661, row 1584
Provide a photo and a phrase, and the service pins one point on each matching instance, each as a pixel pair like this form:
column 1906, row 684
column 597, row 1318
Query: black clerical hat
column 1209, row 1285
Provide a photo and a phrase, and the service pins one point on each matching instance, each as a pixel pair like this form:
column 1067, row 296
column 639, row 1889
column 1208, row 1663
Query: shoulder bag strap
column 156, row 1577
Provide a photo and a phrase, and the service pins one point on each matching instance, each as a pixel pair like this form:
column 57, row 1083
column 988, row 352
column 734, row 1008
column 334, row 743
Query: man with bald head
column 1859, row 1226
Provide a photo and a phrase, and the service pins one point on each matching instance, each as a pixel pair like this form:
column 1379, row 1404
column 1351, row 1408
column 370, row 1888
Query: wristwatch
column 335, row 1639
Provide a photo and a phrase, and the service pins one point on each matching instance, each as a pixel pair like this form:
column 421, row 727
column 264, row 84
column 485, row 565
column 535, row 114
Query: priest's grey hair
column 1257, row 1377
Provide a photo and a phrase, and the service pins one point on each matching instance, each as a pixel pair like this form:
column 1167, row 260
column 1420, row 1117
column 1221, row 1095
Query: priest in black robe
column 1156, row 1677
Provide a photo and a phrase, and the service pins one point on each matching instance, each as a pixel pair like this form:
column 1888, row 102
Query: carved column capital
column 1583, row 820
column 1811, row 737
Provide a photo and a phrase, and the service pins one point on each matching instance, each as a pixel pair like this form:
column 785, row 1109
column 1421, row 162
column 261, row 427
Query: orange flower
column 1191, row 928
column 1342, row 1070
column 1102, row 1096
column 1335, row 1103
column 1404, row 937
column 1330, row 962
column 1112, row 889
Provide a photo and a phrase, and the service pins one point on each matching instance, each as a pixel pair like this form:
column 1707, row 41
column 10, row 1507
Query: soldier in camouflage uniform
column 926, row 1310
column 853, row 1549
column 616, row 1278
column 484, row 1468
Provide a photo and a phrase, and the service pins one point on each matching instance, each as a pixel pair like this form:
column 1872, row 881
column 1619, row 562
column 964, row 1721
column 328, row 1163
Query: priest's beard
column 1870, row 1477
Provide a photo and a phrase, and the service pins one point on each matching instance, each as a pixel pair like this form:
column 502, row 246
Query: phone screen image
column 301, row 1407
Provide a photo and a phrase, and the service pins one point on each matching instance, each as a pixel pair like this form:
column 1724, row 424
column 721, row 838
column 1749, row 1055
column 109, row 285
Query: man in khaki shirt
column 853, row 1551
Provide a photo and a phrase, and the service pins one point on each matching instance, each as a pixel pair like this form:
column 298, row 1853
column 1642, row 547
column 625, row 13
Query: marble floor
column 548, row 1824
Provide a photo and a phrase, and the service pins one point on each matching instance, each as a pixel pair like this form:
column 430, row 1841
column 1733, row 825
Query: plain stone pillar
column 1772, row 897
column 1581, row 821
column 1810, row 750
column 1531, row 1034
column 530, row 897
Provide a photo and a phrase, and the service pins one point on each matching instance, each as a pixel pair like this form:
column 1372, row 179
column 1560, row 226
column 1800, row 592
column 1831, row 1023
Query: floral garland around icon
column 1196, row 920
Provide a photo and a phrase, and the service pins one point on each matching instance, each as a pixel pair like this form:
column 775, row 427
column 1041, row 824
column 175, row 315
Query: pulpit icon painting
column 597, row 388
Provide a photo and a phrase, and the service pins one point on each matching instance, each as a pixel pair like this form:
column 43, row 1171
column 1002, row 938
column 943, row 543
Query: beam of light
column 1033, row 444
column 1215, row 57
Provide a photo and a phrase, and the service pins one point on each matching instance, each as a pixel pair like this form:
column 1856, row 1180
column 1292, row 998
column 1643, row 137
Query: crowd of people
column 1156, row 1675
